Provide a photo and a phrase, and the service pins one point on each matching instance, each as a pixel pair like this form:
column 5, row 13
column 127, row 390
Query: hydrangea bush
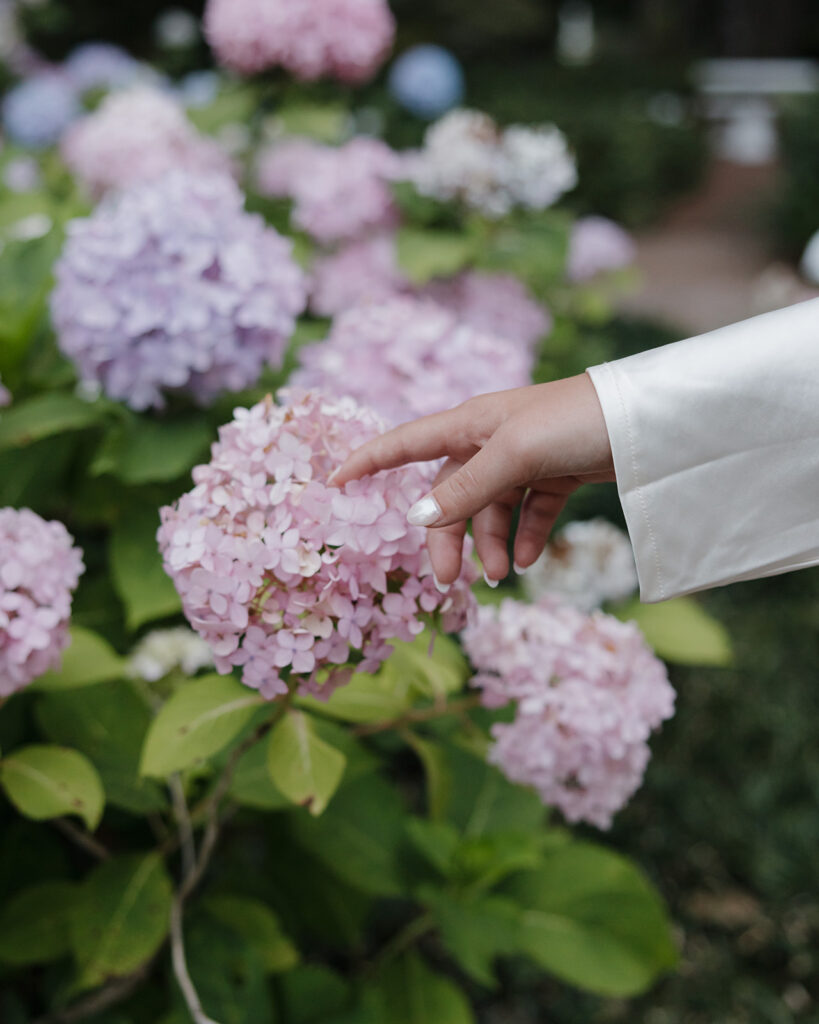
column 261, row 756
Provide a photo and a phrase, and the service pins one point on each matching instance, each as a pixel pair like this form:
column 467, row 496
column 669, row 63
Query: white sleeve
column 716, row 452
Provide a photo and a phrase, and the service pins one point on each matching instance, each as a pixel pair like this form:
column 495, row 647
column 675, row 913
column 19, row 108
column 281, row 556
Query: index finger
column 431, row 437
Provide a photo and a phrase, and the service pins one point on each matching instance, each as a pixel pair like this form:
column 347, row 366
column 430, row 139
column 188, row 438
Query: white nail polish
column 490, row 583
column 442, row 588
column 333, row 475
column 424, row 512
column 519, row 569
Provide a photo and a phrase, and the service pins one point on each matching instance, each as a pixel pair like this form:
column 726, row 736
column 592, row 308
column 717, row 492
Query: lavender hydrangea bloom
column 339, row 192
column 345, row 39
column 39, row 570
column 407, row 358
column 104, row 66
column 134, row 136
column 598, row 245
column 172, row 286
column 294, row 580
column 38, row 110
column 587, row 692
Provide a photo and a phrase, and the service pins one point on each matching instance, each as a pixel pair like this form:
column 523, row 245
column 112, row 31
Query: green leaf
column 89, row 660
column 199, row 720
column 312, row 993
column 476, row 932
column 681, row 631
column 436, row 841
column 484, row 802
column 424, row 253
column 34, row 924
column 436, row 772
column 121, row 917
column 533, row 248
column 360, row 836
column 228, row 975
column 592, row 919
column 136, row 567
column 409, row 992
column 251, row 784
column 326, row 122
column 257, row 925
column 107, row 723
column 483, row 861
column 301, row 765
column 146, row 450
column 366, row 698
column 48, row 781
column 44, row 416
column 434, row 666
column 25, row 282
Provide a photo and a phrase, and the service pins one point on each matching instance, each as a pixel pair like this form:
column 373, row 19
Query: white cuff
column 716, row 451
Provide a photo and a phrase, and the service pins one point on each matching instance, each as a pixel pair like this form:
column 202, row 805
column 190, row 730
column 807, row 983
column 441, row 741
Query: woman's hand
column 531, row 446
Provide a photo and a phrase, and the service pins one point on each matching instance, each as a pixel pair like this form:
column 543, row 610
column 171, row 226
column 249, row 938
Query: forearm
column 716, row 451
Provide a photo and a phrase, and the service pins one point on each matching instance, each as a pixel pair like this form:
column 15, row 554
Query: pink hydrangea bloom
column 498, row 304
column 39, row 570
column 338, row 192
column 407, row 358
column 293, row 580
column 361, row 272
column 171, row 285
column 343, row 39
column 588, row 693
column 597, row 245
column 136, row 136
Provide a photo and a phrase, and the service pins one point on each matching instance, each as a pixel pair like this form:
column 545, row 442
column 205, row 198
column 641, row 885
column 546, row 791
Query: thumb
column 492, row 472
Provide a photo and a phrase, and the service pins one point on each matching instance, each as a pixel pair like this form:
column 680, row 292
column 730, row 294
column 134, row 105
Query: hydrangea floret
column 409, row 357
column 468, row 158
column 162, row 651
column 297, row 582
column 343, row 39
column 171, row 286
column 39, row 570
column 38, row 110
column 598, row 245
column 588, row 563
column 339, row 193
column 587, row 693
column 136, row 136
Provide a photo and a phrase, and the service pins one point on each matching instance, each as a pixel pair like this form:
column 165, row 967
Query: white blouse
column 716, row 452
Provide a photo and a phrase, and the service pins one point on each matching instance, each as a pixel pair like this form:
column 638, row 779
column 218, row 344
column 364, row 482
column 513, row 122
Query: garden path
column 708, row 263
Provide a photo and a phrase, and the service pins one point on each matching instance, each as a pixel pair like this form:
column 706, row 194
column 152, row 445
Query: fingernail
column 333, row 475
column 442, row 588
column 519, row 569
column 424, row 512
column 489, row 583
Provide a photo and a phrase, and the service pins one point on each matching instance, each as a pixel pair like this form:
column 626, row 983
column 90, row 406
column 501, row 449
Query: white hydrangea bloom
column 467, row 157
column 587, row 564
column 164, row 650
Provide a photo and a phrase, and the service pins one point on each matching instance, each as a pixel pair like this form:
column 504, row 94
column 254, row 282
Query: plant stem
column 84, row 840
column 103, row 999
column 183, row 823
column 403, row 939
column 453, row 707
column 180, row 965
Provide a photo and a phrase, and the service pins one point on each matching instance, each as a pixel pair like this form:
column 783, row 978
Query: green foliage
column 88, row 660
column 255, row 923
column 107, row 723
column 424, row 253
column 795, row 213
column 48, row 781
column 302, row 766
column 120, row 917
column 407, row 991
column 143, row 451
column 34, row 924
column 136, row 569
column 681, row 631
column 199, row 720
column 46, row 416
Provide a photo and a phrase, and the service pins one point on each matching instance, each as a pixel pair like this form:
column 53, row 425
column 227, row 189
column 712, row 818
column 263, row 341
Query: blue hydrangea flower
column 38, row 110
column 427, row 80
column 103, row 66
